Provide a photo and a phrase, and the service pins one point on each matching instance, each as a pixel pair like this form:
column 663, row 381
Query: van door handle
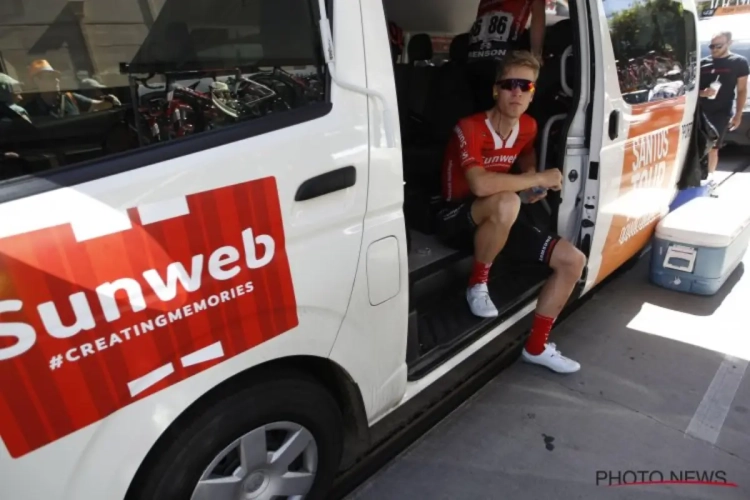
column 614, row 124
column 323, row 184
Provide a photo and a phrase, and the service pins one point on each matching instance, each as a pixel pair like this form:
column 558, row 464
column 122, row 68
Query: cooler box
column 685, row 195
column 699, row 245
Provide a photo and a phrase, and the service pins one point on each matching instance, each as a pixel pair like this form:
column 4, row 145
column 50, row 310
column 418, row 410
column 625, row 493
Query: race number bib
column 492, row 27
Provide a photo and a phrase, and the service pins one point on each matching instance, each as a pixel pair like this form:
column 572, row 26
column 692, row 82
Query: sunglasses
column 716, row 46
column 516, row 83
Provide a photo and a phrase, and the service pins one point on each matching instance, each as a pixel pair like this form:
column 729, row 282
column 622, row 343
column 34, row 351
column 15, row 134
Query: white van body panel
column 323, row 243
column 371, row 346
column 635, row 187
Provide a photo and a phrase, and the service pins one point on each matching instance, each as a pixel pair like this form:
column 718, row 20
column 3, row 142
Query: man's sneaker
column 480, row 303
column 552, row 359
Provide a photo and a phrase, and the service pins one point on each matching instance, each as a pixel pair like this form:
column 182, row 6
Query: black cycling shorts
column 720, row 121
column 526, row 243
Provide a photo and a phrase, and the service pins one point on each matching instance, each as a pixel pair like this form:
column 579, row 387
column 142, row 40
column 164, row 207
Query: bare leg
column 494, row 216
column 713, row 160
column 567, row 263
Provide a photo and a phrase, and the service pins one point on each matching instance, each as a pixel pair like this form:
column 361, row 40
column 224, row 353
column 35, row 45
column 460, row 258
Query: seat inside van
column 432, row 98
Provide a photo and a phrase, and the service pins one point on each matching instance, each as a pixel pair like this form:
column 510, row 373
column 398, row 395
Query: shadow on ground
column 532, row 434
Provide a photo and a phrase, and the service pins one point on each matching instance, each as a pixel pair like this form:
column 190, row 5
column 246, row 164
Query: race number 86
column 492, row 26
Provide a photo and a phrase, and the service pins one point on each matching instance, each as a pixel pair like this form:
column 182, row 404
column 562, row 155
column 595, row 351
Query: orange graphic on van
column 714, row 8
column 96, row 315
column 647, row 175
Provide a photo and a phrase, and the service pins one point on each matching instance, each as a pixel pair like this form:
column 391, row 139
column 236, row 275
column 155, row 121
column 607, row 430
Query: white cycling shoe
column 479, row 301
column 552, row 359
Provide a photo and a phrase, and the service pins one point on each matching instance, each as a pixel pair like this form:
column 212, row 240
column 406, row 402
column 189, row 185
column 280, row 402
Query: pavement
column 663, row 394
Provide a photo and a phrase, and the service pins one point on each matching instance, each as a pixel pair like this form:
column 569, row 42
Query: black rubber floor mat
column 448, row 324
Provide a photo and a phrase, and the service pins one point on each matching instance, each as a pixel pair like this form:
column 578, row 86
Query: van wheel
column 271, row 441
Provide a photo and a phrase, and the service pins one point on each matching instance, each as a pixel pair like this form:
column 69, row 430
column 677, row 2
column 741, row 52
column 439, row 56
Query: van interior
column 433, row 94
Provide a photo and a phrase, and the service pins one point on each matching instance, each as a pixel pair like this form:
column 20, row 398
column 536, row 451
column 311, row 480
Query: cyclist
column 482, row 206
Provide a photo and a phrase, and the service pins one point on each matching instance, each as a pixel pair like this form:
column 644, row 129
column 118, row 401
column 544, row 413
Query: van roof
column 441, row 16
column 447, row 16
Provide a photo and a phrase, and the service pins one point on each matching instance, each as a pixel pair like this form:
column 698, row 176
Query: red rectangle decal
column 91, row 322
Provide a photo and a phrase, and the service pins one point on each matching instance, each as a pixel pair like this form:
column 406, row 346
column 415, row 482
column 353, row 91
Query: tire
column 183, row 460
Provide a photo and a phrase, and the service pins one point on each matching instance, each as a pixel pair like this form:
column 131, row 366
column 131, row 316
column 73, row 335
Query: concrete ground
column 663, row 389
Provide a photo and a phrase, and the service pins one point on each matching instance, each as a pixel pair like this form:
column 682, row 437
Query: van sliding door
column 644, row 101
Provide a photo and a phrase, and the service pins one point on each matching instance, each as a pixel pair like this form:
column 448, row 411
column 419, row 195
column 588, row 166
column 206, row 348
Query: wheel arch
column 325, row 372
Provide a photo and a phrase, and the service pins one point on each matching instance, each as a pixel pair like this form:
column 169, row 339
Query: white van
column 206, row 286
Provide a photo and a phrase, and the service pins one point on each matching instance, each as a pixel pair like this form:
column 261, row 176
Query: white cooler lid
column 706, row 222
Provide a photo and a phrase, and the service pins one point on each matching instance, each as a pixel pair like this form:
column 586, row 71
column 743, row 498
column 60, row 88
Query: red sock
column 539, row 334
column 480, row 273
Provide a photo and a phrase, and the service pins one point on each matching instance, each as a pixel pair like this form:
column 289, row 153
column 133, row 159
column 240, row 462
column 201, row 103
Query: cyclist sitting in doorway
column 482, row 204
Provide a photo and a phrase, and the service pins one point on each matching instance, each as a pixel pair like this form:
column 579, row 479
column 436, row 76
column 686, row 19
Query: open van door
column 644, row 104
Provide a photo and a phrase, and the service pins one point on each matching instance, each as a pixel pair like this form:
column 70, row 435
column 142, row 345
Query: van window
column 653, row 44
column 100, row 77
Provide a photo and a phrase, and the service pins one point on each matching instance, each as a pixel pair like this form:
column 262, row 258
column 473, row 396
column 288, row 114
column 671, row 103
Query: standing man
column 482, row 205
column 500, row 24
column 721, row 73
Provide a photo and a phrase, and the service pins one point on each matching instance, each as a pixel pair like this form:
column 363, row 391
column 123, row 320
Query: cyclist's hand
column 551, row 179
column 533, row 198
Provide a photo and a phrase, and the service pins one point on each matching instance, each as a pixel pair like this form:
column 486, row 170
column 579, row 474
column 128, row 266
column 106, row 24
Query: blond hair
column 518, row 59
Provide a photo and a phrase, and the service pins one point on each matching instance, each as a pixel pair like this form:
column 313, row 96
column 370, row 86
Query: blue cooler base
column 710, row 270
column 688, row 194
column 689, row 284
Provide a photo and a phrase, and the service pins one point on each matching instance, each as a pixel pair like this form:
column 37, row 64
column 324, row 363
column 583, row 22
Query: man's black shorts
column 526, row 243
column 720, row 121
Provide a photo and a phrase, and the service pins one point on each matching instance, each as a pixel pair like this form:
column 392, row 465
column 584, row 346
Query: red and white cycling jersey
column 499, row 23
column 475, row 143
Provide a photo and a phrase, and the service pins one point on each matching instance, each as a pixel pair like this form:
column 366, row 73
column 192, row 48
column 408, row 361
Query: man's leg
column 529, row 244
column 720, row 123
column 713, row 160
column 567, row 263
column 494, row 216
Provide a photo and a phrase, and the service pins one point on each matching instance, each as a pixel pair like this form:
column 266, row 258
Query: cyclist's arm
column 538, row 25
column 484, row 183
column 527, row 161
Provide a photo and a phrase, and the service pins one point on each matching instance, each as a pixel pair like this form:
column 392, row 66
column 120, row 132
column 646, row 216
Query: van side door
column 644, row 103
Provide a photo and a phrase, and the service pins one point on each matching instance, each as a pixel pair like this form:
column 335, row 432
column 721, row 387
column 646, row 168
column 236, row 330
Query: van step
column 445, row 325
column 428, row 254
